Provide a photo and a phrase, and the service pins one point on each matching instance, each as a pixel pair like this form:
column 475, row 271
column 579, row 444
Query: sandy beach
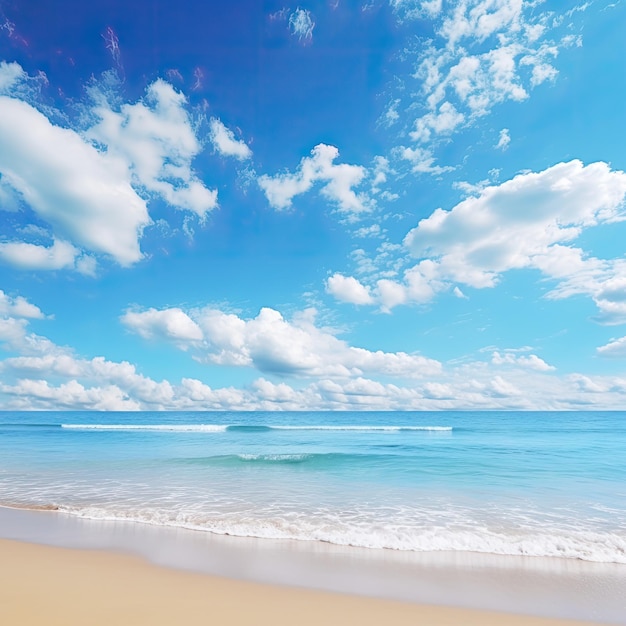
column 51, row 585
column 59, row 569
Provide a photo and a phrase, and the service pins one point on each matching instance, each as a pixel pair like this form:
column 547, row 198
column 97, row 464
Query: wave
column 315, row 460
column 245, row 428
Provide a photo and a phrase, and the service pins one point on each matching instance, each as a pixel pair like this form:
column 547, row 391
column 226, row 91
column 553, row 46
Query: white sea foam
column 275, row 457
column 204, row 428
column 583, row 545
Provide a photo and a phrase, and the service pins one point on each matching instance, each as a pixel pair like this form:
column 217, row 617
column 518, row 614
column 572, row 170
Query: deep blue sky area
column 386, row 204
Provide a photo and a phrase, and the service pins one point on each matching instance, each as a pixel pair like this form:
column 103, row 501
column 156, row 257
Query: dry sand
column 57, row 586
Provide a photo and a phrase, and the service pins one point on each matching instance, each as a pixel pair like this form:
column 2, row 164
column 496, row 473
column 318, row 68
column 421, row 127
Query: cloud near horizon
column 44, row 375
column 271, row 344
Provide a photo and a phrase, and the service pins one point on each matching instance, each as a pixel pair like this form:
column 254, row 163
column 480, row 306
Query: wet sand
column 61, row 586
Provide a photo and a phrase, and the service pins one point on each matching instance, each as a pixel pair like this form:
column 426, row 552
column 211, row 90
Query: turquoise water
column 544, row 484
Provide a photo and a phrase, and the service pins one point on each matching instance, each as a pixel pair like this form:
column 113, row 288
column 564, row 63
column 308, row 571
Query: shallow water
column 542, row 484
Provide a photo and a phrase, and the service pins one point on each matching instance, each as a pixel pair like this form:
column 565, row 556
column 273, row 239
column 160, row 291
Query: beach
column 56, row 586
column 490, row 514
column 59, row 569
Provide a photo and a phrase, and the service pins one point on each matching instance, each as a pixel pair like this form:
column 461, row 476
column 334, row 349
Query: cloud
column 413, row 9
column 369, row 231
column 274, row 345
column 528, row 222
column 481, row 53
column 112, row 44
column 44, row 375
column 465, row 389
column 348, row 289
column 90, row 180
column 532, row 361
column 9, row 198
column 441, row 122
column 338, row 180
column 605, row 281
column 616, row 348
column 504, row 139
column 519, row 223
column 301, row 24
column 61, row 255
column 225, row 143
column 18, row 307
column 10, row 75
column 38, row 394
column 422, row 160
column 171, row 324
column 84, row 195
column 155, row 140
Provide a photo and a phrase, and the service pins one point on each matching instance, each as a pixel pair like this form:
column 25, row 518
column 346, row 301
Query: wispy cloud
column 198, row 79
column 301, row 24
column 112, row 44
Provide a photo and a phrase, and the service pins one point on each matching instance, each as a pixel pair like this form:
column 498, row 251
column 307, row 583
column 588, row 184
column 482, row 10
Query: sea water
column 536, row 484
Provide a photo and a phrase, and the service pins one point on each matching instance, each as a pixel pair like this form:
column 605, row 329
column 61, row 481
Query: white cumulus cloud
column 348, row 289
column 272, row 344
column 60, row 255
column 18, row 307
column 516, row 224
column 44, row 375
column 86, row 196
column 10, row 74
column 615, row 348
column 528, row 222
column 531, row 361
column 224, row 141
column 338, row 181
column 155, row 139
column 171, row 324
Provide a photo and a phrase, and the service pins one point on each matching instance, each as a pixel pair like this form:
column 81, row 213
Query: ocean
column 512, row 483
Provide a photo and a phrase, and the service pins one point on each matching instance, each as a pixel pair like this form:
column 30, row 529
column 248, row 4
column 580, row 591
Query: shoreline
column 521, row 587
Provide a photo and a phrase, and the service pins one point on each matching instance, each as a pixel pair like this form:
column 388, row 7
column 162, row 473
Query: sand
column 62, row 586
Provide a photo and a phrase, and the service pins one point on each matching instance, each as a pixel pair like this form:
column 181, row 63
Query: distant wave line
column 216, row 428
column 209, row 428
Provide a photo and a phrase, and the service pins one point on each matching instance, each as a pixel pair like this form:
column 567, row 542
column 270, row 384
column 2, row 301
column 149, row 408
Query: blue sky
column 386, row 204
